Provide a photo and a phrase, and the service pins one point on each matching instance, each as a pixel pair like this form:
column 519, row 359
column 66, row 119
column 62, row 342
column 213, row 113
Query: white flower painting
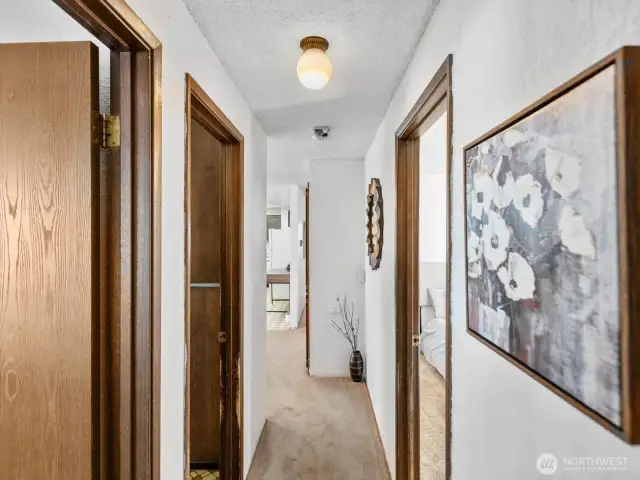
column 474, row 249
column 563, row 171
column 482, row 195
column 528, row 199
column 574, row 233
column 542, row 243
column 495, row 240
column 517, row 277
column 494, row 326
column 504, row 184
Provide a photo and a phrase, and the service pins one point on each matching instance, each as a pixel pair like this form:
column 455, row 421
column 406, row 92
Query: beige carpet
column 432, row 423
column 317, row 429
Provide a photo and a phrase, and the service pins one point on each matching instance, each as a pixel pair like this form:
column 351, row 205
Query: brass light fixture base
column 314, row 42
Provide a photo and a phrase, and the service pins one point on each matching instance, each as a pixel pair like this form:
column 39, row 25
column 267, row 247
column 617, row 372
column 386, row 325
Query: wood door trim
column 436, row 99
column 113, row 22
column 200, row 107
column 135, row 239
column 307, row 276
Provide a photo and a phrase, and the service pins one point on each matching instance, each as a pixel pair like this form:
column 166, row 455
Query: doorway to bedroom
column 423, row 166
column 432, row 278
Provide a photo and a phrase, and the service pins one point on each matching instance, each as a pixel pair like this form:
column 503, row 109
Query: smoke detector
column 320, row 133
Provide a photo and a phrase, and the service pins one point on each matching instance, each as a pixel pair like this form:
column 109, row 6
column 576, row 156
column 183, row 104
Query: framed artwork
column 553, row 241
column 375, row 223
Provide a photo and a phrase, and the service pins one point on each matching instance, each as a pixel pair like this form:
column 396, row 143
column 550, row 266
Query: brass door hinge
column 110, row 131
column 222, row 337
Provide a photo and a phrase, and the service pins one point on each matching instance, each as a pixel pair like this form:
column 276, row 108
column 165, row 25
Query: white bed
column 433, row 328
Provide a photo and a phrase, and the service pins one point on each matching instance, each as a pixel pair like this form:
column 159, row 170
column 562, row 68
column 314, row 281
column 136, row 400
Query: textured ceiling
column 371, row 42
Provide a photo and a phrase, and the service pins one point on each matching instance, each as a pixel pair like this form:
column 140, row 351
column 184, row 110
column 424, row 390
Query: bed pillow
column 437, row 299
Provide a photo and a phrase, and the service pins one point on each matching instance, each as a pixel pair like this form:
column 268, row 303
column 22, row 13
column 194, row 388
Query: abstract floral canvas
column 542, row 243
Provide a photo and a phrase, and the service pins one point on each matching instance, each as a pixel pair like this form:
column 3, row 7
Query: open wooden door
column 50, row 335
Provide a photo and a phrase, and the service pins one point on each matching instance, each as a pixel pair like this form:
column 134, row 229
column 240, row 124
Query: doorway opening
column 214, row 179
column 92, row 231
column 287, row 258
column 423, row 286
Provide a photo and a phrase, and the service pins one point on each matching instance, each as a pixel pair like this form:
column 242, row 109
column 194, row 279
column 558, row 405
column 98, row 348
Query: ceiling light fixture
column 314, row 67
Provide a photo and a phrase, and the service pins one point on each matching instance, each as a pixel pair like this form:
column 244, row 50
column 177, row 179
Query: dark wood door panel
column 205, row 375
column 206, row 152
column 206, row 236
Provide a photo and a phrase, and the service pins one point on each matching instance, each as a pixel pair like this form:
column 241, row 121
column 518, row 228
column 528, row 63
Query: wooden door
column 49, row 262
column 205, row 311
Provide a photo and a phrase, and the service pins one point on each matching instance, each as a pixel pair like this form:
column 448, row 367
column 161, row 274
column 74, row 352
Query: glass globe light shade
column 314, row 69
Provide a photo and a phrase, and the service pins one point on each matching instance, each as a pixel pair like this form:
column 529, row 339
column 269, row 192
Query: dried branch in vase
column 350, row 326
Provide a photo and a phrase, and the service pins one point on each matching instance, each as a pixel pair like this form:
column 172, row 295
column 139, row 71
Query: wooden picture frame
column 619, row 71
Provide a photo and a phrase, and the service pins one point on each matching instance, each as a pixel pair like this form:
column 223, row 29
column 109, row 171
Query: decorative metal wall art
column 375, row 223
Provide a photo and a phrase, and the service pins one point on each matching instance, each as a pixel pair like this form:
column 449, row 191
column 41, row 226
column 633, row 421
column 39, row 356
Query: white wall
column 337, row 237
column 432, row 224
column 298, row 266
column 433, row 218
column 506, row 54
column 184, row 50
column 280, row 242
column 432, row 246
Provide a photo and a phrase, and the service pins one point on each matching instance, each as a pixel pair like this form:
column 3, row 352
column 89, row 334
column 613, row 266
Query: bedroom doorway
column 432, row 280
column 423, row 166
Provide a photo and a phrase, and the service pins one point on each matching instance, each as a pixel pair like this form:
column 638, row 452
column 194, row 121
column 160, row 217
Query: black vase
column 356, row 366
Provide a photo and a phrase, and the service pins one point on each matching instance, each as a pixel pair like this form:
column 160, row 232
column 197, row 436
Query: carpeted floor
column 432, row 423
column 317, row 428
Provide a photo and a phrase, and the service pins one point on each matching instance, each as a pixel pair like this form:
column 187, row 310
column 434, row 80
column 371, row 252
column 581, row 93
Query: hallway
column 316, row 427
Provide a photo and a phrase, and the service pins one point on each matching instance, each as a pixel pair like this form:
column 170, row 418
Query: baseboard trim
column 378, row 436
column 255, row 449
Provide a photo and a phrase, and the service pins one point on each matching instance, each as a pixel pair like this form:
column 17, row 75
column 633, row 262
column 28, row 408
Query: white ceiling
column 371, row 43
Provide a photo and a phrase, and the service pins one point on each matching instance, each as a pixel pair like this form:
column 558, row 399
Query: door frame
column 131, row 330
column 200, row 106
column 436, row 99
column 307, row 275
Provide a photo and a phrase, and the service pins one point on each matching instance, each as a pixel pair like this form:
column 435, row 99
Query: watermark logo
column 547, row 464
